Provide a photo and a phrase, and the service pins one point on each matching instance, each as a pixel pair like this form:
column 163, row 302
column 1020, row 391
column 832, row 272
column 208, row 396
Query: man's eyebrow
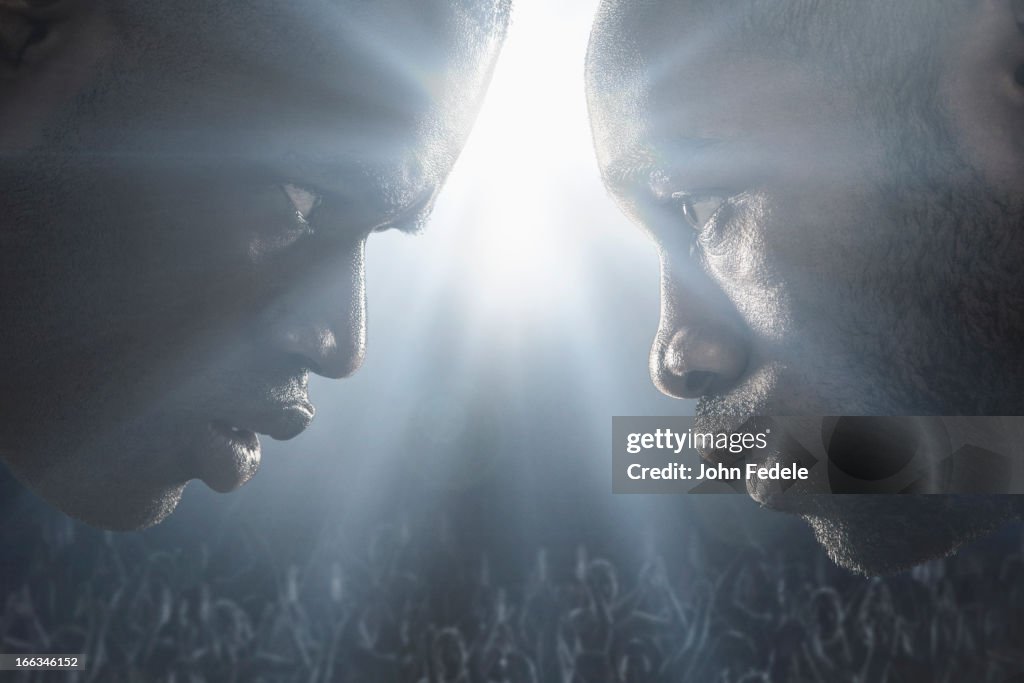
column 336, row 176
column 628, row 171
column 363, row 188
column 637, row 168
column 413, row 218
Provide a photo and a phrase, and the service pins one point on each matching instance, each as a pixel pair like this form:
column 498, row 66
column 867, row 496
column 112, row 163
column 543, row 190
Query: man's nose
column 700, row 348
column 326, row 322
column 696, row 361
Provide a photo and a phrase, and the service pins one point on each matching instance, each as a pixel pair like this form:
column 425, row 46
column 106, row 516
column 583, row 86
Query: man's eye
column 698, row 208
column 304, row 201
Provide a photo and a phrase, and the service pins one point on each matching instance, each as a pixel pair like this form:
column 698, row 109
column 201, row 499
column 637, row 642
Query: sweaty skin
column 188, row 189
column 834, row 193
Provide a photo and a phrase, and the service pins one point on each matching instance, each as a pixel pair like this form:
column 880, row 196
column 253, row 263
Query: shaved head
column 189, row 187
column 834, row 190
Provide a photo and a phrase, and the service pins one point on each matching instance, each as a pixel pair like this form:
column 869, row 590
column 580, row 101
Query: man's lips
column 851, row 455
column 226, row 457
column 782, row 450
column 228, row 453
column 278, row 422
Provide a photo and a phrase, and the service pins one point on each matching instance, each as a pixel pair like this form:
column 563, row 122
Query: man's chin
column 128, row 514
column 124, row 509
column 882, row 534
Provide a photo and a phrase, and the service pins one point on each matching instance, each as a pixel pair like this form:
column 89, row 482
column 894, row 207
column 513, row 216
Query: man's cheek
column 741, row 265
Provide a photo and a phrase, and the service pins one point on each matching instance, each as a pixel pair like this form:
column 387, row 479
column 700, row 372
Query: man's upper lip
column 281, row 422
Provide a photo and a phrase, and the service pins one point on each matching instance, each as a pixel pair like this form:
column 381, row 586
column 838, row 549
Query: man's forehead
column 400, row 82
column 418, row 46
column 354, row 89
column 356, row 45
column 639, row 53
column 400, row 62
column 675, row 92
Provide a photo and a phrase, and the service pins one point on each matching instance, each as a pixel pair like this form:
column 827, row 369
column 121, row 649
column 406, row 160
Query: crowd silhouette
column 415, row 607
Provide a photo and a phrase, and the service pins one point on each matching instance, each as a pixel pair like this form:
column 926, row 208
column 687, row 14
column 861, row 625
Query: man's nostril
column 698, row 382
column 307, row 363
column 700, row 360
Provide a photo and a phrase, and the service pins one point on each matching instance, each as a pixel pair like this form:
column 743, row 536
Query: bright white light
column 527, row 282
column 523, row 236
column 529, row 148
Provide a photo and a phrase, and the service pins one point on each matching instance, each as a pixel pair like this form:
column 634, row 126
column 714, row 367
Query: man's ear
column 984, row 90
column 24, row 27
column 49, row 51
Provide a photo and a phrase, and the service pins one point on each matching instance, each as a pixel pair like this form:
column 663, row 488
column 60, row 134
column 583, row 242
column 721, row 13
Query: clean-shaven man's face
column 834, row 189
column 188, row 188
